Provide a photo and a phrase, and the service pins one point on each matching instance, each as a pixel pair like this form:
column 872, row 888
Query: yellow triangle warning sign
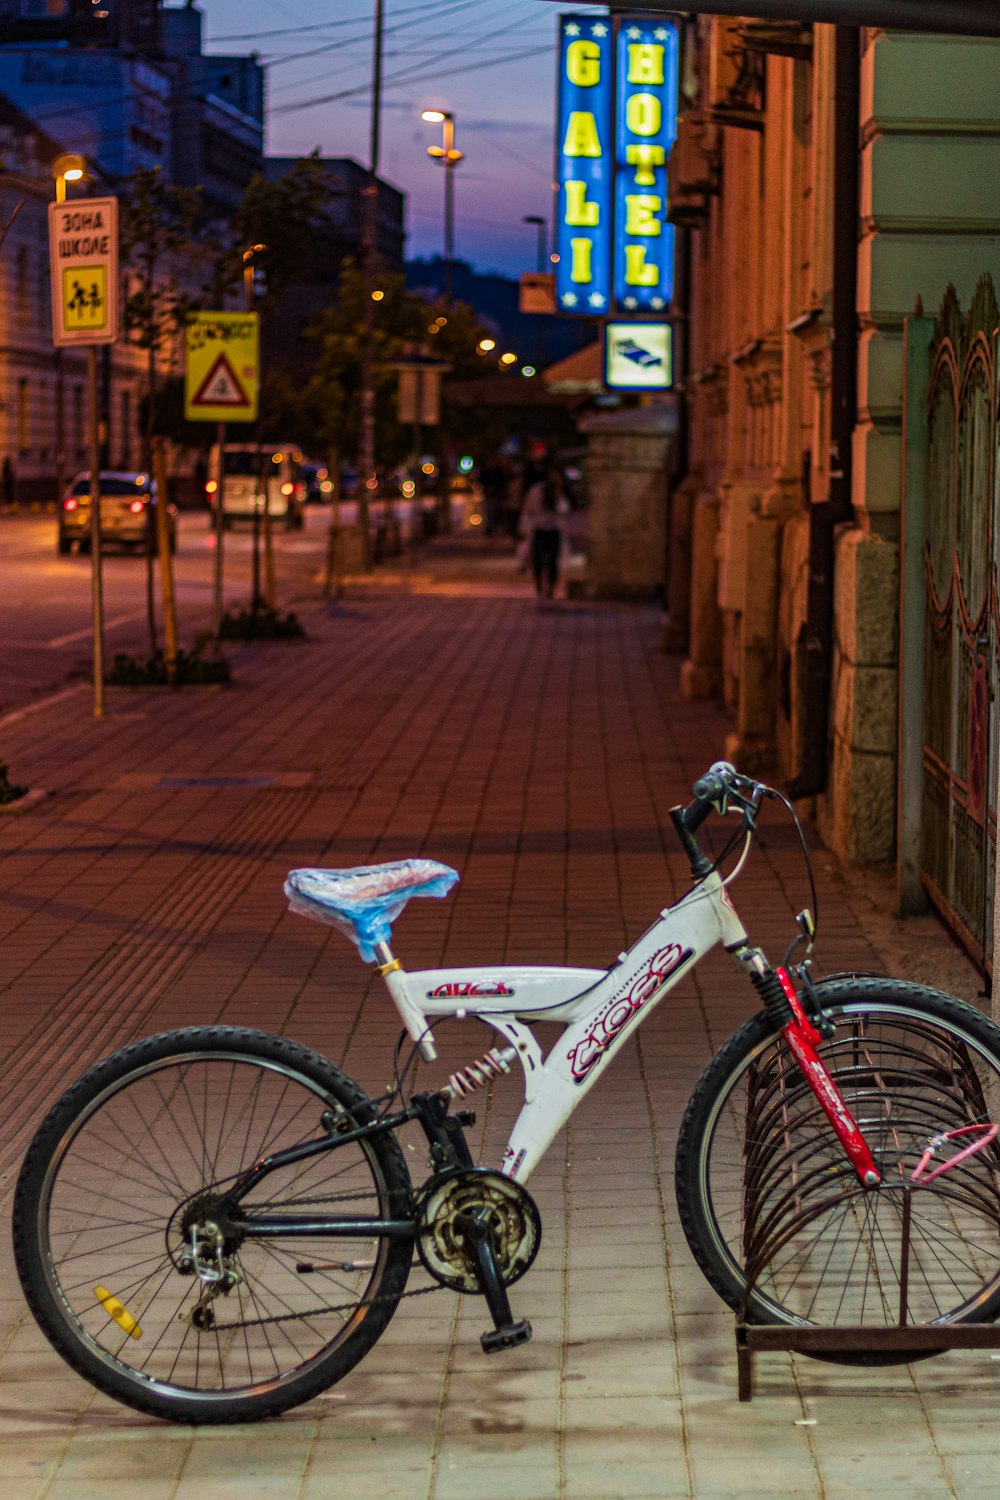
column 221, row 386
column 221, row 367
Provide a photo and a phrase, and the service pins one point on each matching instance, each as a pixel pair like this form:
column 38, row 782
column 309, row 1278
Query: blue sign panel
column 585, row 156
column 645, row 127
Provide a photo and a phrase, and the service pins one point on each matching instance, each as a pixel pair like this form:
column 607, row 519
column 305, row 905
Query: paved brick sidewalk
column 539, row 753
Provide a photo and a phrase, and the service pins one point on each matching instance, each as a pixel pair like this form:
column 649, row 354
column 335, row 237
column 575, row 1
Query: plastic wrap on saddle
column 365, row 901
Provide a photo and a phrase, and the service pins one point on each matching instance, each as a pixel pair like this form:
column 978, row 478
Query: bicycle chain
column 318, row 1312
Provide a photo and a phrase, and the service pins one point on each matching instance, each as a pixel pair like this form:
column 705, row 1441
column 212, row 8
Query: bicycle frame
column 597, row 1008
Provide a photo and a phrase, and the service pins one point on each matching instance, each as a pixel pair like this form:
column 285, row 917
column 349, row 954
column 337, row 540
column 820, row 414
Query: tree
column 158, row 228
column 403, row 321
column 289, row 217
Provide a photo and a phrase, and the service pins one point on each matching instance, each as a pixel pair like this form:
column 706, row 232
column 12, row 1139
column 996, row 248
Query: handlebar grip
column 695, row 813
column 708, row 787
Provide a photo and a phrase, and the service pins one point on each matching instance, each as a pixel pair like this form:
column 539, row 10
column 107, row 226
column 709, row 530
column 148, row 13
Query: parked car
column 247, row 466
column 126, row 518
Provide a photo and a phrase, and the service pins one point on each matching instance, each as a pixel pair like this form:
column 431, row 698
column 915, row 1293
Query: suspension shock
column 477, row 1074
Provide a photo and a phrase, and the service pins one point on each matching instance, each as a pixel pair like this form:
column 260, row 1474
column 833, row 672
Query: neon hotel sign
column 617, row 118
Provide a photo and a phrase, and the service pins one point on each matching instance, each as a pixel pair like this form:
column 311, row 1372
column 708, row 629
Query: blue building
column 140, row 94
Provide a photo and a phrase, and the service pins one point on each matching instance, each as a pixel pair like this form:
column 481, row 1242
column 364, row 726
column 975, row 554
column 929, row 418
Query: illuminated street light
column 528, row 370
column 377, row 296
column 67, row 168
column 449, row 158
column 485, row 345
column 508, row 359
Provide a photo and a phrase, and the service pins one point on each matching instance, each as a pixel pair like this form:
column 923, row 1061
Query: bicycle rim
column 786, row 1232
column 113, row 1215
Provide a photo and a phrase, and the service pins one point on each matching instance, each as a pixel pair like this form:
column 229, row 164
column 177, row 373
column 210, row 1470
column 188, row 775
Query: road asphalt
column 434, row 710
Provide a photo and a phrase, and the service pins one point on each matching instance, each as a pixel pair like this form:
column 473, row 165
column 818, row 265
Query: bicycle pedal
column 508, row 1337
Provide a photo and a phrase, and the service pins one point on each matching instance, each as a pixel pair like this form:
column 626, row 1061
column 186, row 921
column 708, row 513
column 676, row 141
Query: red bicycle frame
column 803, row 1039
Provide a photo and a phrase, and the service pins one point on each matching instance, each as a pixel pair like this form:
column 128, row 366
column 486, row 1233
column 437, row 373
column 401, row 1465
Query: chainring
column 513, row 1217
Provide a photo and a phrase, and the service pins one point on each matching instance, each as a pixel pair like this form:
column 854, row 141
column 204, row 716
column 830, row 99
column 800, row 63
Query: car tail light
column 70, row 503
column 210, row 489
column 137, row 507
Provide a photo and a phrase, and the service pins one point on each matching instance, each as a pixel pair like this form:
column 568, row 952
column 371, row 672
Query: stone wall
column 628, row 463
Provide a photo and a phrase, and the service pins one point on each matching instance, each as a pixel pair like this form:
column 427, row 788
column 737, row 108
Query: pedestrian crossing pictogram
column 221, row 386
column 84, row 297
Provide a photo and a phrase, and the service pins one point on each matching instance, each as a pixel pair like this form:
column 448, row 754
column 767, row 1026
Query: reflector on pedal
column 117, row 1312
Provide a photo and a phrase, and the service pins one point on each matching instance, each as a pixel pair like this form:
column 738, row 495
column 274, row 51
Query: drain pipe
column 814, row 647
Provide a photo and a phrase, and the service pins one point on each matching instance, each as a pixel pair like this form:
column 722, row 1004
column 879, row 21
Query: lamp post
column 542, row 228
column 66, row 168
column 449, row 159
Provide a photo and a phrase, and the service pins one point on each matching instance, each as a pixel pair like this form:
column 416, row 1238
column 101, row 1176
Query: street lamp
column 542, row 228
column 252, row 274
column 67, row 168
column 449, row 159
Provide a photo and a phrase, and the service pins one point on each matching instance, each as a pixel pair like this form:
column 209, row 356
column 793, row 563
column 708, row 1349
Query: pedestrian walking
column 541, row 526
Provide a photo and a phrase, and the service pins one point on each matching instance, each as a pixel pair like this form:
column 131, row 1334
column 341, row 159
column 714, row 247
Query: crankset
column 478, row 1231
column 443, row 1211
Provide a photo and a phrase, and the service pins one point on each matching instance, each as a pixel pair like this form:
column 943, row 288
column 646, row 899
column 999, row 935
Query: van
column 251, row 471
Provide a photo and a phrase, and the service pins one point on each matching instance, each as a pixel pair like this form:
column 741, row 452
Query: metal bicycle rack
column 911, row 1105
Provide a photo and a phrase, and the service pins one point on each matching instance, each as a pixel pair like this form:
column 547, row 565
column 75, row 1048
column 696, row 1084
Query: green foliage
column 198, row 668
column 157, row 223
column 260, row 624
column 287, row 216
column 403, row 321
column 8, row 791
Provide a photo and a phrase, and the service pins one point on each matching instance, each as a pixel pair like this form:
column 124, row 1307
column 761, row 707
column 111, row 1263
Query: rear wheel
column 120, row 1226
column 775, row 1214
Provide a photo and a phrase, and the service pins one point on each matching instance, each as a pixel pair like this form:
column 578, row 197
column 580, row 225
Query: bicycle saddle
column 365, row 901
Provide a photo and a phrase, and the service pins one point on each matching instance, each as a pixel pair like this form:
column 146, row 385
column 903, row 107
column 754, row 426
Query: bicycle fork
column 802, row 1037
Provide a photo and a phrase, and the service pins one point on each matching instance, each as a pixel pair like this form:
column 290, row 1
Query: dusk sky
column 492, row 64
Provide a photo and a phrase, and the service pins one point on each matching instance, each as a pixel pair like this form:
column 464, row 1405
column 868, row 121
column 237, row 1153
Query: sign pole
column 220, row 529
column 221, row 385
column 83, row 265
column 96, row 589
column 163, row 540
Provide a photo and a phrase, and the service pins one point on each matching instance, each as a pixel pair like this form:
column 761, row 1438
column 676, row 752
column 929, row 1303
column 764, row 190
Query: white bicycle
column 215, row 1224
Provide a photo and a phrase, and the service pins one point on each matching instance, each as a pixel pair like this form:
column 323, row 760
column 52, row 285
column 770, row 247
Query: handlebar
column 721, row 785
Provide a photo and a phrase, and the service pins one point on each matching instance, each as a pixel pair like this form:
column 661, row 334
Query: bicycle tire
column 138, row 1141
column 773, row 1211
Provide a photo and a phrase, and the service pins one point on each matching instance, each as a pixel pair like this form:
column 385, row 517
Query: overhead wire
column 365, row 17
column 420, row 69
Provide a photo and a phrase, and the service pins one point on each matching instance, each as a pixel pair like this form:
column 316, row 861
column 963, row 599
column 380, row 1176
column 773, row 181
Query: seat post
column 387, row 964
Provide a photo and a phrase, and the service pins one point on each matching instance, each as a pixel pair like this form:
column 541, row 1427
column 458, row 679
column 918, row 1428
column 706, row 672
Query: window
column 23, row 309
column 44, row 415
column 23, row 417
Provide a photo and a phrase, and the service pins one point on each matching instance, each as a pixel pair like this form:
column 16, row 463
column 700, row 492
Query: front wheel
column 775, row 1214
column 149, row 1285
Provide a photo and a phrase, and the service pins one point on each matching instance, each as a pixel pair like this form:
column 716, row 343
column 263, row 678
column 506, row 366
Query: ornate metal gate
column 962, row 620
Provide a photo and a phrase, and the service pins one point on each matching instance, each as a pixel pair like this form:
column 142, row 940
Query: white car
column 126, row 519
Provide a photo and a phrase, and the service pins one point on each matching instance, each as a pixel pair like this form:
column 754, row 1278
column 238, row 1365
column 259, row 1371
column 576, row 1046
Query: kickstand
column 505, row 1333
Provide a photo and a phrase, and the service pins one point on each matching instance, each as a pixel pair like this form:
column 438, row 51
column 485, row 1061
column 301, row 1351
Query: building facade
column 827, row 179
